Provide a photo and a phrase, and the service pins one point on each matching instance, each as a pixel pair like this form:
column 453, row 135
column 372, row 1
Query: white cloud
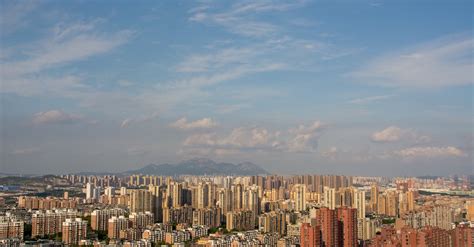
column 305, row 137
column 206, row 140
column 395, row 134
column 205, row 123
column 239, row 140
column 331, row 153
column 55, row 117
column 258, row 138
column 302, row 139
column 128, row 121
column 138, row 151
column 430, row 152
column 125, row 123
column 440, row 63
column 389, row 134
column 370, row 99
column 26, row 151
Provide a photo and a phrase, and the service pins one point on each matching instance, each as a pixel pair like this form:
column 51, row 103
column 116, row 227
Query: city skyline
column 273, row 210
column 296, row 87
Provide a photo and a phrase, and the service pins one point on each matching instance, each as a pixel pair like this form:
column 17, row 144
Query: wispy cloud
column 430, row 152
column 230, row 61
column 129, row 121
column 184, row 124
column 220, row 59
column 56, row 117
column 14, row 15
column 125, row 83
column 175, row 92
column 73, row 43
column 224, row 109
column 138, row 151
column 440, row 63
column 240, row 18
column 26, row 151
column 370, row 99
column 65, row 44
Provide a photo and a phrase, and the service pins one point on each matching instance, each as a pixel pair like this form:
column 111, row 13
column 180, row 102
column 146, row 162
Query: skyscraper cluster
column 307, row 210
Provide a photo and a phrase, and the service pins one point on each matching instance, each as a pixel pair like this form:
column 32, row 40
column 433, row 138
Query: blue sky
column 348, row 87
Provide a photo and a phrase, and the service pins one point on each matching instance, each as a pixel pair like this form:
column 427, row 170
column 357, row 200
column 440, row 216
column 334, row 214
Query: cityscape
column 246, row 123
column 258, row 210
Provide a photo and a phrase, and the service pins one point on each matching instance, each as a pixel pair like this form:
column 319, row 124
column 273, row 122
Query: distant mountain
column 200, row 167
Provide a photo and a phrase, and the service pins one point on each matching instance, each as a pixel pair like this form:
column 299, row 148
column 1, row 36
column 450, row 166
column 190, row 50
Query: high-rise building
column 299, row 194
column 366, row 228
column 115, row 225
column 176, row 192
column 141, row 201
column 274, row 221
column 348, row 223
column 100, row 218
column 203, row 195
column 32, row 202
column 310, row 235
column 374, row 197
column 329, row 198
column 462, row 236
column 210, row 217
column 11, row 228
column 470, row 210
column 242, row 221
column 330, row 227
column 74, row 230
column 89, row 191
column 123, row 191
column 251, row 201
column 392, row 204
column 224, row 198
column 359, row 203
column 427, row 236
column 411, row 197
column 50, row 222
column 141, row 220
column 178, row 215
column 109, row 191
column 238, row 197
column 382, row 204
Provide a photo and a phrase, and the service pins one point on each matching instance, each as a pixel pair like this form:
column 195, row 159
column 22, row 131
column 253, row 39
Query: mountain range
column 200, row 167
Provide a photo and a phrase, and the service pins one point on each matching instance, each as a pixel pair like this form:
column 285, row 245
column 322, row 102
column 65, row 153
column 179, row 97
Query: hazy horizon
column 353, row 87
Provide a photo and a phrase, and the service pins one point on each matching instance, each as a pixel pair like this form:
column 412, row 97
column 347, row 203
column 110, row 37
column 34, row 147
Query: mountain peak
column 198, row 161
column 200, row 166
